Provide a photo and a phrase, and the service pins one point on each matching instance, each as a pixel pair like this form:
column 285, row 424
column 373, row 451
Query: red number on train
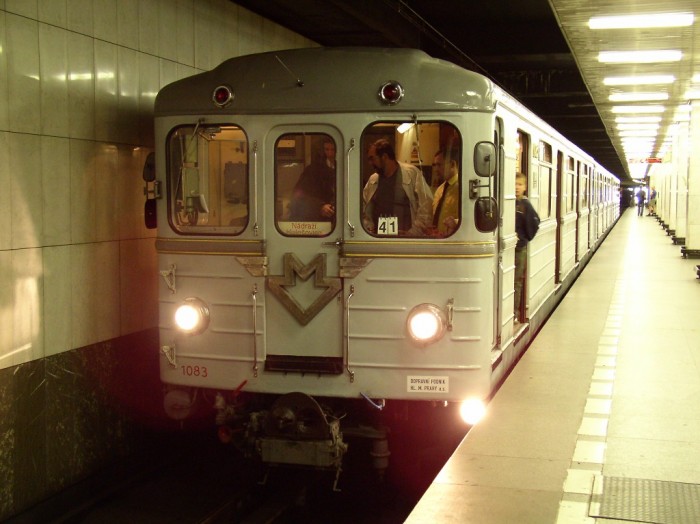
column 195, row 371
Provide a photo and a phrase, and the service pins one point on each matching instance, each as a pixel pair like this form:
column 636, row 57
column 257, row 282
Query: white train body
column 321, row 307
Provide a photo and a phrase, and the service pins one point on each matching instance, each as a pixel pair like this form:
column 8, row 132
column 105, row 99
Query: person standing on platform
column 640, row 202
column 652, row 202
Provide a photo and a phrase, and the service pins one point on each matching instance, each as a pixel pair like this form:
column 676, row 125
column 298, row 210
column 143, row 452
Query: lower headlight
column 426, row 323
column 472, row 411
column 192, row 316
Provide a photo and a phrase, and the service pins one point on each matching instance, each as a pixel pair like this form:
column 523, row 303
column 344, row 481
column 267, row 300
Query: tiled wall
column 78, row 79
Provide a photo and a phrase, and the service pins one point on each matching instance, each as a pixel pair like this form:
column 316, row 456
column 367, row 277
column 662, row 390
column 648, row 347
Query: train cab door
column 499, row 183
column 303, row 311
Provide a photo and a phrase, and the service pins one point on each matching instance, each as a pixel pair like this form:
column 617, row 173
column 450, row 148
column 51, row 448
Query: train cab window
column 424, row 200
column 305, row 184
column 208, row 179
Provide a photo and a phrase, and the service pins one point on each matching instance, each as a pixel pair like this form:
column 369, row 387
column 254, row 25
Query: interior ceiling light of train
column 641, row 63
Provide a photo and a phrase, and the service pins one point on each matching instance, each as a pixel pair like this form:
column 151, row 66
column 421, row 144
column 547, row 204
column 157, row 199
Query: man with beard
column 397, row 199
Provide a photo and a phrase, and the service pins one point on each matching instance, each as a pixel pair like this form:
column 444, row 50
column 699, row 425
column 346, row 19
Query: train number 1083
column 194, row 371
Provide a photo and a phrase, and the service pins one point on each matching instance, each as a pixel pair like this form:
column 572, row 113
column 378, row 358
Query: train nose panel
column 293, row 267
column 301, row 300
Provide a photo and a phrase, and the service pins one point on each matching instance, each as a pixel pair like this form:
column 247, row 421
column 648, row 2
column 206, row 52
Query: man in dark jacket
column 527, row 223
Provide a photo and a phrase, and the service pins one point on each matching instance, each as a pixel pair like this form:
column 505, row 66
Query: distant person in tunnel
column 640, row 202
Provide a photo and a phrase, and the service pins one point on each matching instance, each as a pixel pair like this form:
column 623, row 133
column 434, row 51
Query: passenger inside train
column 313, row 198
column 305, row 184
column 526, row 225
column 446, row 197
column 396, row 197
column 408, row 209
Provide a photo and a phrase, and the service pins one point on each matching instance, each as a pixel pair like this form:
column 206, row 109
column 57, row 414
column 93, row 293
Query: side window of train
column 305, row 184
column 425, row 199
column 208, row 179
column 569, row 190
column 546, row 173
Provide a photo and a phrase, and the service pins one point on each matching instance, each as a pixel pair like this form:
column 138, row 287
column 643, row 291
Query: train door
column 498, row 292
column 303, row 284
column 560, row 192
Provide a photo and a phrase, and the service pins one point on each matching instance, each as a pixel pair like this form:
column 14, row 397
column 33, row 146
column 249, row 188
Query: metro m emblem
column 293, row 267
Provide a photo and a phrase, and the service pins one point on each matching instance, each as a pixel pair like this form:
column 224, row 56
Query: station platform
column 600, row 420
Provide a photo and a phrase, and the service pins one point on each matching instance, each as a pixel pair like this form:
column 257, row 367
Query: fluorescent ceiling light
column 638, row 109
column 696, row 77
column 632, row 140
column 638, row 132
column 637, row 119
column 641, row 21
column 624, row 127
column 692, row 94
column 637, row 97
column 639, row 57
column 638, row 80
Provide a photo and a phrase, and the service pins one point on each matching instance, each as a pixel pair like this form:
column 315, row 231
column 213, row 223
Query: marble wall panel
column 22, row 48
column 4, row 89
column 54, row 12
column 55, row 184
column 5, row 196
column 28, row 321
column 84, row 276
column 53, row 47
column 7, row 309
column 107, row 215
column 129, row 193
column 80, row 16
column 105, row 20
column 105, row 290
column 29, row 423
column 24, row 151
column 57, row 311
column 81, row 86
column 167, row 29
column 26, row 8
column 148, row 89
column 82, row 191
column 250, row 32
column 106, row 91
column 128, row 97
column 148, row 27
column 128, row 23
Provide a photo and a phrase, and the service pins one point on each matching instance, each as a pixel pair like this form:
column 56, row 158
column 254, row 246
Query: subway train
column 301, row 314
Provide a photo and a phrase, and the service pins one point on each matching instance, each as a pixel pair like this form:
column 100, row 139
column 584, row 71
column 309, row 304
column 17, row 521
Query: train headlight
column 426, row 323
column 192, row 316
column 472, row 411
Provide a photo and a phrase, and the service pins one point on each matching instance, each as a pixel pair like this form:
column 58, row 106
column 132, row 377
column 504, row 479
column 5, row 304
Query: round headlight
column 426, row 323
column 192, row 316
column 472, row 411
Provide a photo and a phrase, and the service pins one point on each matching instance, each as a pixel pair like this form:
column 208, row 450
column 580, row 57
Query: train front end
column 281, row 306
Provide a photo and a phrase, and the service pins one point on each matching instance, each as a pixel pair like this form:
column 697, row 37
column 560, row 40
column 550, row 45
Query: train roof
column 325, row 80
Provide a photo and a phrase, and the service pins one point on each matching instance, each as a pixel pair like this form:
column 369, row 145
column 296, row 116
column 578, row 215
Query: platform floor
column 600, row 420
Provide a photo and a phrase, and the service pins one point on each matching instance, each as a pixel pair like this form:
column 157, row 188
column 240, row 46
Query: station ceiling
column 541, row 51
